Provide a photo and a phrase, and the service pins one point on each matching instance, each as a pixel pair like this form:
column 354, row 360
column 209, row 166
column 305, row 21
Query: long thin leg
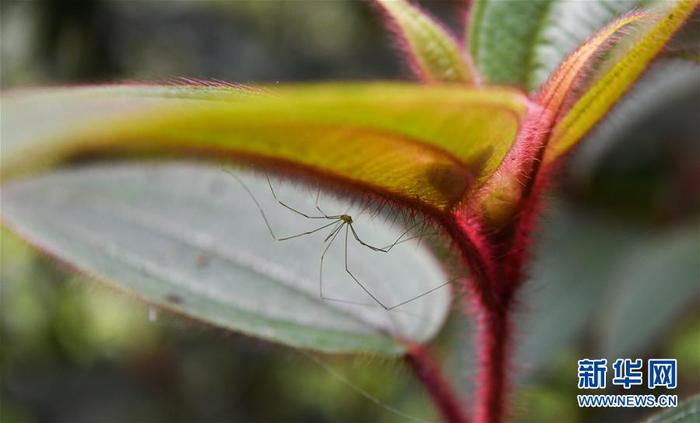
column 318, row 194
column 385, row 307
column 390, row 308
column 262, row 213
column 430, row 291
column 332, row 237
column 364, row 288
column 411, row 238
column 378, row 249
column 293, row 209
column 335, row 222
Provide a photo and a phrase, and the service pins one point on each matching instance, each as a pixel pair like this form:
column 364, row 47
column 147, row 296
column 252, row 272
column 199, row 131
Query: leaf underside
column 187, row 237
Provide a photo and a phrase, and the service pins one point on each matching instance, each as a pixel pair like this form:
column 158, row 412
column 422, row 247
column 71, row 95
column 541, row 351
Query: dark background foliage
column 615, row 273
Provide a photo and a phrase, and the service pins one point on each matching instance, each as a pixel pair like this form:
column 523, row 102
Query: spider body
column 338, row 224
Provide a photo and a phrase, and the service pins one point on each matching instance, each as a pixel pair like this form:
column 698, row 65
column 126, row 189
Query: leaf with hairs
column 433, row 52
column 604, row 93
column 421, row 145
column 187, row 237
column 521, row 43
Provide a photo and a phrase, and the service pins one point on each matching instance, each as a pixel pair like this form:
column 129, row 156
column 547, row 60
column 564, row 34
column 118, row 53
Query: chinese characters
column 661, row 373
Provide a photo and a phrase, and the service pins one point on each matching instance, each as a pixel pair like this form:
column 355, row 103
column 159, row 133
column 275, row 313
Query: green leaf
column 687, row 411
column 502, row 35
column 596, row 278
column 417, row 144
column 434, row 53
column 188, row 238
column 665, row 267
column 573, row 267
column 520, row 43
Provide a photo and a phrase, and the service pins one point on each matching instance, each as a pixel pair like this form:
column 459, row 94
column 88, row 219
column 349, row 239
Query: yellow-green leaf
column 422, row 145
column 607, row 90
column 559, row 86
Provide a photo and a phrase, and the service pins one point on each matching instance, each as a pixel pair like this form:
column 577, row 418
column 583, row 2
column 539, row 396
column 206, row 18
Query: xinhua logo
column 627, row 372
column 661, row 373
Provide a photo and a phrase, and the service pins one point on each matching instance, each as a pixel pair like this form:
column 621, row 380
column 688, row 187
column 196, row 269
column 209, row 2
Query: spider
column 337, row 224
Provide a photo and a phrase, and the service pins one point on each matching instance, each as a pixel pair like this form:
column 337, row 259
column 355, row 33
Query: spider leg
column 307, row 232
column 387, row 308
column 318, row 207
column 255, row 200
column 411, row 238
column 430, row 291
column 347, row 270
column 400, row 239
column 381, row 249
column 288, row 207
column 264, row 216
column 332, row 237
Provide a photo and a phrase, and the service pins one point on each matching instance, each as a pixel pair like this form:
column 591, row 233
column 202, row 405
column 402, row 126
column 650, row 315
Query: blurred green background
column 616, row 271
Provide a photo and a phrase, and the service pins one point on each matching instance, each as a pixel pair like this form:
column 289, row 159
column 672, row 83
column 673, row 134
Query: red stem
column 493, row 340
column 491, row 289
column 440, row 391
column 495, row 260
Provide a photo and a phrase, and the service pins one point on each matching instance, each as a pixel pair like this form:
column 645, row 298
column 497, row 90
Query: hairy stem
column 443, row 396
column 493, row 340
column 490, row 291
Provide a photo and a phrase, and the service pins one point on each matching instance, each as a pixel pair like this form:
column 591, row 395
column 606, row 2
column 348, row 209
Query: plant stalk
column 493, row 340
column 443, row 396
column 490, row 293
